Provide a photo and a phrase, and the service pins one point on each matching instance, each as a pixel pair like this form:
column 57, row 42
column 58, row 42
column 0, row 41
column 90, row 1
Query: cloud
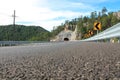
column 92, row 1
column 37, row 12
column 45, row 13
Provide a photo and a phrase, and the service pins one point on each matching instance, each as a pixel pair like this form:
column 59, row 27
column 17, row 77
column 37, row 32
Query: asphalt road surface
column 61, row 61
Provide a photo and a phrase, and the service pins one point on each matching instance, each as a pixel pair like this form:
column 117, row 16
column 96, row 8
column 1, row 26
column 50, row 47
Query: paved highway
column 61, row 61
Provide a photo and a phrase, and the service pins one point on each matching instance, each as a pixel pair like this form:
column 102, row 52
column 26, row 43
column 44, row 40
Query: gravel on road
column 61, row 61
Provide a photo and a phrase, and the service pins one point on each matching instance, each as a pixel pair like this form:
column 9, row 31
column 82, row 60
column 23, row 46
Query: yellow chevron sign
column 97, row 26
column 90, row 32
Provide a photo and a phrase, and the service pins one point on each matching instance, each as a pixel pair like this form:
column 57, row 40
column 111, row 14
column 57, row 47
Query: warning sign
column 97, row 26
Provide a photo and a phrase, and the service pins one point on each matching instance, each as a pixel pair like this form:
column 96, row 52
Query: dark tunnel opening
column 66, row 39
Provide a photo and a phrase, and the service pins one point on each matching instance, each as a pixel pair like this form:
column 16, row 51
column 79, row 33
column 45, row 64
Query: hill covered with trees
column 86, row 23
column 23, row 33
column 37, row 33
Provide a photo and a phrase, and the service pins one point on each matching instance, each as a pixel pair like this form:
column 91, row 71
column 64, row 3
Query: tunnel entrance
column 66, row 39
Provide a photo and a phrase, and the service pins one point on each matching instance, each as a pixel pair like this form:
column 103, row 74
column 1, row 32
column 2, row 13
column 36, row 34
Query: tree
column 99, row 16
column 23, row 33
column 86, row 23
column 104, row 10
column 92, row 15
column 114, row 20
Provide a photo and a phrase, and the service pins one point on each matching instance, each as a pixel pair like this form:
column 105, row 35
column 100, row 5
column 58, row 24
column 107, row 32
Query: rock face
column 117, row 14
column 67, row 35
column 64, row 35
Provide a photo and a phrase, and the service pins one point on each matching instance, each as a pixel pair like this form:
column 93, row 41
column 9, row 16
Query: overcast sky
column 49, row 13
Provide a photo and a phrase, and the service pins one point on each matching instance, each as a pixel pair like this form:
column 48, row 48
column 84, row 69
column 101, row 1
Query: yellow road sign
column 97, row 26
column 90, row 32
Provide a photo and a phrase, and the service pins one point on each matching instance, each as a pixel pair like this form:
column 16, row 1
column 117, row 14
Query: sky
column 50, row 13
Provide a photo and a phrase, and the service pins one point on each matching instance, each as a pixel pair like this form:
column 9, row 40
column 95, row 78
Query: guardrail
column 15, row 43
column 109, row 33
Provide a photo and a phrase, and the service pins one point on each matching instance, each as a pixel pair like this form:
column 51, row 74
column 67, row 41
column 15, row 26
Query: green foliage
column 23, row 33
column 54, row 32
column 104, row 10
column 86, row 23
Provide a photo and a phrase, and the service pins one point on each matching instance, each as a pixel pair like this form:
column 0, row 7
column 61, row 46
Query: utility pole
column 14, row 16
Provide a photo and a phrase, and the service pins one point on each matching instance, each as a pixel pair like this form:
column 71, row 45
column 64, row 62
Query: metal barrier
column 15, row 43
column 109, row 33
